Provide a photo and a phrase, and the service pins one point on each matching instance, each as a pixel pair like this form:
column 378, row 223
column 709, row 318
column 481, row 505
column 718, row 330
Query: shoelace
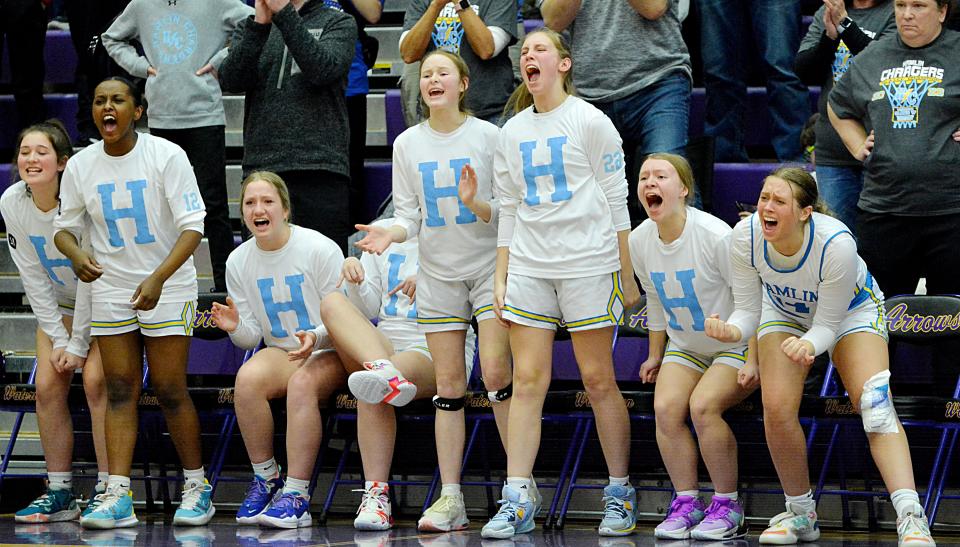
column 191, row 495
column 680, row 508
column 257, row 491
column 108, row 499
column 911, row 520
column 373, row 500
column 782, row 517
column 45, row 501
column 717, row 511
column 614, row 507
column 288, row 503
column 444, row 503
column 507, row 511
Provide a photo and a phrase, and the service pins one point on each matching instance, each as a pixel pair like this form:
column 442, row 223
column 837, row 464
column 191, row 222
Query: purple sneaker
column 685, row 513
column 724, row 520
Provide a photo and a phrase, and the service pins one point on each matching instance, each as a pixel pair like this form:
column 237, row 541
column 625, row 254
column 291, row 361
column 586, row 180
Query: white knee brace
column 876, row 405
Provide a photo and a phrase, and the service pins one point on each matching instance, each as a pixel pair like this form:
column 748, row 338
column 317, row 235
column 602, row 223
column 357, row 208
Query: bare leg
column 447, row 350
column 167, row 357
column 122, row 369
column 53, row 416
column 495, row 366
column 671, row 406
column 315, row 381
column 263, row 377
column 532, row 350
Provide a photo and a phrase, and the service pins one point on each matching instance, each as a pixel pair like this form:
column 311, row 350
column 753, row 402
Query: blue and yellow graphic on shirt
column 906, row 86
column 174, row 39
column 448, row 30
column 40, row 245
column 841, row 61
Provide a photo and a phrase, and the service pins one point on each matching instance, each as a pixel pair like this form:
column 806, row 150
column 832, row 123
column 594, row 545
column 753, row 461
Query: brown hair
column 274, row 180
column 521, row 97
column 464, row 71
column 55, row 132
column 684, row 171
column 804, row 187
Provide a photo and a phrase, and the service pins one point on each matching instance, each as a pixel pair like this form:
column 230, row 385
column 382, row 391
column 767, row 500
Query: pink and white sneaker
column 381, row 382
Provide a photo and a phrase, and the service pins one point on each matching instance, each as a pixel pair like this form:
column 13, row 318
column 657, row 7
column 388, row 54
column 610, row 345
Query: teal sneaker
column 93, row 502
column 196, row 504
column 619, row 510
column 52, row 506
column 514, row 517
column 115, row 510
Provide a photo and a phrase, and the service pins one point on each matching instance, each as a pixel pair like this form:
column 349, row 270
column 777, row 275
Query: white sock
column 60, row 481
column 731, row 496
column 690, row 493
column 266, row 470
column 193, row 475
column 102, row 478
column 119, row 481
column 802, row 504
column 296, row 486
column 906, row 501
column 452, row 489
column 522, row 485
column 620, row 481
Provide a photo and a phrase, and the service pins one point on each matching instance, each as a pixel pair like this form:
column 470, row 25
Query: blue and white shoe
column 52, row 506
column 259, row 495
column 115, row 510
column 93, row 502
column 619, row 510
column 514, row 517
column 196, row 504
column 288, row 510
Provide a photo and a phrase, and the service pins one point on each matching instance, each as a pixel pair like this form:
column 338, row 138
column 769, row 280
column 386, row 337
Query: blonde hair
column 272, row 179
column 464, row 71
column 684, row 171
column 804, row 187
column 521, row 97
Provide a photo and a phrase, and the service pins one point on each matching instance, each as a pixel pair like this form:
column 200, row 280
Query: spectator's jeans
column 655, row 118
column 775, row 31
column 840, row 189
column 205, row 148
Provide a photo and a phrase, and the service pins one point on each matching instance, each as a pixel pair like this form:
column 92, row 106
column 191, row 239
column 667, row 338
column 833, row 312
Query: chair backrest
column 923, row 319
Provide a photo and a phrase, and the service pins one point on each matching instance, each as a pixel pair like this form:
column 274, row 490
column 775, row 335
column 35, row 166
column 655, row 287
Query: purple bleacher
column 529, row 25
column 733, row 182
column 59, row 105
column 214, row 357
column 379, row 180
column 629, row 354
column 393, row 106
column 758, row 130
column 59, row 57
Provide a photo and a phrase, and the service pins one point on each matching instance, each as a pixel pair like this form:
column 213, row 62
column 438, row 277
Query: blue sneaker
column 93, row 502
column 259, row 495
column 52, row 506
column 514, row 517
column 196, row 504
column 114, row 511
column 619, row 510
column 289, row 510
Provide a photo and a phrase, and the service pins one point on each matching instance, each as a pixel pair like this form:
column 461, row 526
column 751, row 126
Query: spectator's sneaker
column 93, row 502
column 259, row 495
column 791, row 526
column 121, row 537
column 381, row 382
column 374, row 512
column 514, row 517
column 447, row 514
column 51, row 506
column 115, row 510
column 197, row 536
column 724, row 520
column 196, row 504
column 914, row 530
column 290, row 510
column 619, row 510
column 685, row 514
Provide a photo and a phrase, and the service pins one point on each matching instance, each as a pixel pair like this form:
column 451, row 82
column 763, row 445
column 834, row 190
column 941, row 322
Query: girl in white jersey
column 562, row 258
column 28, row 208
column 137, row 195
column 442, row 191
column 383, row 287
column 798, row 282
column 681, row 256
column 276, row 281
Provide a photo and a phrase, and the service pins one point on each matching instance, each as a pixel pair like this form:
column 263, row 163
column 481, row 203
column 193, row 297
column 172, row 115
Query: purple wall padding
column 59, row 105
column 214, row 357
column 394, row 112
column 379, row 184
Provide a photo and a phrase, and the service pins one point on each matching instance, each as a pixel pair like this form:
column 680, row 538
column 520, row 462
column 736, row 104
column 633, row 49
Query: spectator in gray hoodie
column 291, row 59
column 183, row 44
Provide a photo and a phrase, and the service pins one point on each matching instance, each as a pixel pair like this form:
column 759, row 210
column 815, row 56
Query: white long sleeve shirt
column 278, row 293
column 455, row 244
column 815, row 288
column 136, row 206
column 560, row 180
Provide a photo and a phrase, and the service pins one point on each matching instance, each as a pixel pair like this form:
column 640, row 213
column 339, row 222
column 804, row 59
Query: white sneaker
column 446, row 515
column 381, row 382
column 374, row 512
column 790, row 527
column 914, row 530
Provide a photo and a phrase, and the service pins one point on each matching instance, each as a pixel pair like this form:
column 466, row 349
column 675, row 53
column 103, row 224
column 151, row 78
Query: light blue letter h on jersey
column 295, row 304
column 393, row 279
column 688, row 300
column 555, row 169
column 137, row 211
column 431, row 193
column 40, row 244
